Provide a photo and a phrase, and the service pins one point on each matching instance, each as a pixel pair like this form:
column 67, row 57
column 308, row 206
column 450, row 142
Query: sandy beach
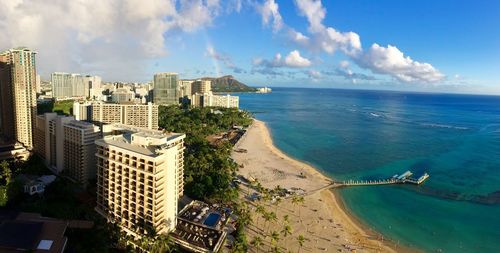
column 321, row 218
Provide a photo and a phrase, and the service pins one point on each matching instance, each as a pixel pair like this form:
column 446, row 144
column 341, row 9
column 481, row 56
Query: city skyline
column 416, row 46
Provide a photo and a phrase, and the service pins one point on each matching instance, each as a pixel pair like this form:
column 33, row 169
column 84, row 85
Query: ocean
column 352, row 134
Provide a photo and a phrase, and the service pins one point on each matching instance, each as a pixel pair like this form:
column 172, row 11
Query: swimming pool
column 212, row 219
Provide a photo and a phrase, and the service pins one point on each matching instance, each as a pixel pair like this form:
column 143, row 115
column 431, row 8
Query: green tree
column 275, row 237
column 301, row 240
column 297, row 201
column 286, row 231
column 257, row 243
column 5, row 178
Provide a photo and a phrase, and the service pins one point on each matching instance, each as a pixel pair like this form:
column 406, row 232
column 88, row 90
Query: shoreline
column 326, row 205
column 369, row 231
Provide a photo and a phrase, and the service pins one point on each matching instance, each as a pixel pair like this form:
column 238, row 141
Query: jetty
column 405, row 178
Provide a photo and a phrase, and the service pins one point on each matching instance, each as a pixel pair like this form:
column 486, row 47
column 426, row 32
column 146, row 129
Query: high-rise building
column 165, row 89
column 138, row 115
column 67, row 145
column 201, row 87
column 185, row 87
column 93, row 87
column 49, row 139
column 65, row 85
column 138, row 179
column 80, row 149
column 18, row 95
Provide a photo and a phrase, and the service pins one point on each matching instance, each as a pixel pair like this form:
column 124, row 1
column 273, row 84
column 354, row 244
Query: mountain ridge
column 228, row 83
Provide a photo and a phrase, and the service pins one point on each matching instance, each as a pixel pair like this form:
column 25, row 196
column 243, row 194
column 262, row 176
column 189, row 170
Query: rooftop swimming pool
column 212, row 219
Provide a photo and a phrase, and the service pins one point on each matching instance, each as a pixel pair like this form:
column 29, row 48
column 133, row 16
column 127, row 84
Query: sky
column 418, row 45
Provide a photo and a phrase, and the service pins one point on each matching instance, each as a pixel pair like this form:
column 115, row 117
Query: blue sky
column 425, row 45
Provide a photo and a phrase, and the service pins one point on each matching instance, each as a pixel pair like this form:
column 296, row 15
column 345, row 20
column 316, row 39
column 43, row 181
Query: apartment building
column 80, row 149
column 139, row 178
column 165, row 89
column 67, row 145
column 18, row 95
column 201, row 87
column 210, row 100
column 185, row 88
column 138, row 115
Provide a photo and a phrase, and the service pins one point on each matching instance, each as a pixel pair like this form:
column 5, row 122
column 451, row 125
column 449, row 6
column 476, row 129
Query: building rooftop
column 140, row 140
column 200, row 227
column 34, row 233
column 81, row 124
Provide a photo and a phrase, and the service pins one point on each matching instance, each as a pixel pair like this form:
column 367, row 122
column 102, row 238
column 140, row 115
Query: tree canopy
column 208, row 170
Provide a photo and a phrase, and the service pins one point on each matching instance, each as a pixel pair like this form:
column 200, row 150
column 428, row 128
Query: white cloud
column 278, row 65
column 344, row 64
column 298, row 37
column 314, row 74
column 314, row 12
column 295, row 60
column 225, row 59
column 292, row 60
column 99, row 36
column 390, row 60
column 270, row 13
column 328, row 39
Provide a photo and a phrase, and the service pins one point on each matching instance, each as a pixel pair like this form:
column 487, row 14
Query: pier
column 404, row 178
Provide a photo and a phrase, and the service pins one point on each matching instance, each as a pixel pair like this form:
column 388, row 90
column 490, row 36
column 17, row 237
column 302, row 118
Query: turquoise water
column 376, row 134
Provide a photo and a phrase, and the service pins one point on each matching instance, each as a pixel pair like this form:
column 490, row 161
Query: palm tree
column 267, row 218
column 162, row 243
column 244, row 218
column 257, row 243
column 277, row 189
column 275, row 249
column 276, row 203
column 273, row 217
column 286, row 218
column 301, row 240
column 259, row 210
column 275, row 237
column 286, row 231
column 296, row 200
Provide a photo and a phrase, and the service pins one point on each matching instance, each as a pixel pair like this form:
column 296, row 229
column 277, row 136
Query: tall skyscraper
column 65, row 85
column 18, row 95
column 138, row 178
column 165, row 89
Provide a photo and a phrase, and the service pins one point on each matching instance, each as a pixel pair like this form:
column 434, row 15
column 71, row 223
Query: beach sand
column 321, row 218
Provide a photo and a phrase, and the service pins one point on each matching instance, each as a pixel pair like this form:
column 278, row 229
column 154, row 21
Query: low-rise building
column 30, row 232
column 122, row 95
column 210, row 100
